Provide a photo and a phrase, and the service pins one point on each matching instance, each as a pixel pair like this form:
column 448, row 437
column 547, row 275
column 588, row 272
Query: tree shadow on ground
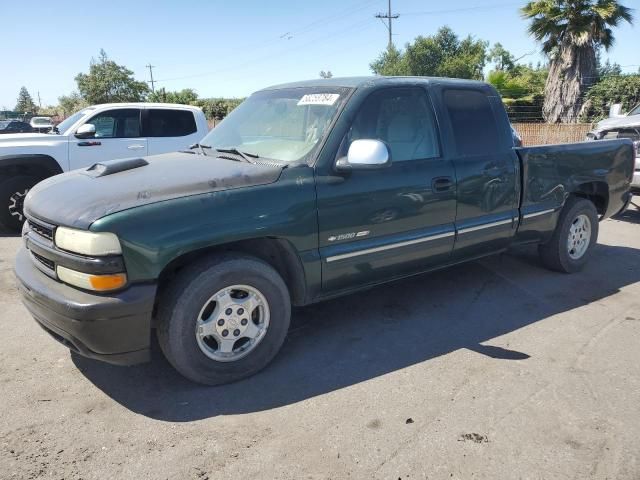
column 353, row 339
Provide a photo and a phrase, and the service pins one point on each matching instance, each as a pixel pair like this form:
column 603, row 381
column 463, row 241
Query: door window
column 121, row 123
column 170, row 123
column 400, row 117
column 474, row 126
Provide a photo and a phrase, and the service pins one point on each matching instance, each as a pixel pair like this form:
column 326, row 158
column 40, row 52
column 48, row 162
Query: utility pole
column 39, row 101
column 151, row 67
column 390, row 17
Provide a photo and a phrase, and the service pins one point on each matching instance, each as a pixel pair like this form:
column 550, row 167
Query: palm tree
column 571, row 33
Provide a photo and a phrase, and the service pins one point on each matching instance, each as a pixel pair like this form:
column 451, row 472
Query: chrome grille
column 40, row 229
column 44, row 261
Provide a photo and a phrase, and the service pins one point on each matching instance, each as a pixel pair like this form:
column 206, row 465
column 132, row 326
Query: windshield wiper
column 201, row 147
column 235, row 151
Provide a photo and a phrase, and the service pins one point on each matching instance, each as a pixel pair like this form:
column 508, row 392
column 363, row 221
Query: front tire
column 224, row 319
column 13, row 191
column 573, row 240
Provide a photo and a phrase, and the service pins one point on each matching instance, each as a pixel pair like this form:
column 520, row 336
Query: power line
column 357, row 26
column 390, row 17
column 463, row 9
column 153, row 86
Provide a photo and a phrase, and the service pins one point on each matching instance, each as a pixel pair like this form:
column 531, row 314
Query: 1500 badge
column 348, row 236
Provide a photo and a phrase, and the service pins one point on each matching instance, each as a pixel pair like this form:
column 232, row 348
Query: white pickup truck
column 94, row 134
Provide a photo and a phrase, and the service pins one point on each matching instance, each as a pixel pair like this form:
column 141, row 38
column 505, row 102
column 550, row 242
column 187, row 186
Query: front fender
column 31, row 162
column 152, row 236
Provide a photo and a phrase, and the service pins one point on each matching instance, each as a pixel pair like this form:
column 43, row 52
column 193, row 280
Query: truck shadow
column 343, row 342
column 631, row 215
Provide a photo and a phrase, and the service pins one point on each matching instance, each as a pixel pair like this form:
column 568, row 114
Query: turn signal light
column 102, row 283
column 99, row 283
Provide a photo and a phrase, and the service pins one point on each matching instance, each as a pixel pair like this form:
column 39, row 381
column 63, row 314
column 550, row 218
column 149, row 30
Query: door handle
column 92, row 143
column 135, row 147
column 441, row 184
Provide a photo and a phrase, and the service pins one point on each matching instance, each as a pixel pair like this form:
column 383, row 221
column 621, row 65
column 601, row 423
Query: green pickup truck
column 305, row 192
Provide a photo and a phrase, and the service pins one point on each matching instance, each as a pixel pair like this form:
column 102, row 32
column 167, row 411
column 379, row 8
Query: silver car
column 620, row 125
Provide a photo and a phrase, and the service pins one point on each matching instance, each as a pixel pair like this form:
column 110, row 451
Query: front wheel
column 224, row 319
column 13, row 191
column 573, row 240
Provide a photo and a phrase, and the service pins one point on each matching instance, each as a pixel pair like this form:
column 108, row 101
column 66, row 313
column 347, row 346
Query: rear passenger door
column 169, row 130
column 487, row 170
column 117, row 136
column 375, row 225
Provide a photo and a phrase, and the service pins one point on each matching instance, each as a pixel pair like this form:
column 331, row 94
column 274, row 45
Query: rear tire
column 573, row 240
column 213, row 291
column 13, row 191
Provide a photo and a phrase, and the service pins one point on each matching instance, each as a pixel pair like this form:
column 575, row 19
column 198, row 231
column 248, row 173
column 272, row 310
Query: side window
column 474, row 126
column 121, row 123
column 170, row 123
column 400, row 117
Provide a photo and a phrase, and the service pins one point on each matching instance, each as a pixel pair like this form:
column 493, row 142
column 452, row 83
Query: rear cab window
column 474, row 125
column 164, row 122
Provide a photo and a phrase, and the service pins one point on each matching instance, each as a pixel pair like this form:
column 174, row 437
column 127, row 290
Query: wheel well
column 42, row 166
column 278, row 253
column 596, row 192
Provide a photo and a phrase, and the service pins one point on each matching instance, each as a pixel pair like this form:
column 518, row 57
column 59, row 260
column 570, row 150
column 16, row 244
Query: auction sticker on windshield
column 319, row 99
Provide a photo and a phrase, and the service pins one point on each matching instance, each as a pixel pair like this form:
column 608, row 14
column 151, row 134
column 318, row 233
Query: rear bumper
column 114, row 328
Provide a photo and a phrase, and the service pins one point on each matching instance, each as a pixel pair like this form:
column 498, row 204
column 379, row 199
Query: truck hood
column 79, row 198
column 618, row 122
column 23, row 137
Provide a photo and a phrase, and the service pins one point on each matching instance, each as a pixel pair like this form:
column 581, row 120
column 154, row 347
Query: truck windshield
column 285, row 125
column 63, row 126
column 635, row 110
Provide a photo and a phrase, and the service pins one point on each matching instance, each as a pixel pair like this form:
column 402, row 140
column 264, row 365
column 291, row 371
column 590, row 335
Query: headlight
column 87, row 243
column 99, row 283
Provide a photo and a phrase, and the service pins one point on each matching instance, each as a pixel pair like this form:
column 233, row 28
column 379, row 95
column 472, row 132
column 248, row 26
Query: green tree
column 25, row 103
column 571, row 32
column 501, row 57
column 624, row 89
column 71, row 103
column 186, row 96
column 390, row 62
column 218, row 108
column 109, row 82
column 607, row 68
column 326, row 74
column 439, row 55
column 520, row 81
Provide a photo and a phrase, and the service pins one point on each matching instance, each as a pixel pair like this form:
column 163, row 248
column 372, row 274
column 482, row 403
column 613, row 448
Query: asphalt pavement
column 498, row 369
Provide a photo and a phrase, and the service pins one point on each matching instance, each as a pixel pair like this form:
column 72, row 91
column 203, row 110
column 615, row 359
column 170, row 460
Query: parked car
column 41, row 124
column 620, row 125
column 92, row 135
column 14, row 126
column 306, row 191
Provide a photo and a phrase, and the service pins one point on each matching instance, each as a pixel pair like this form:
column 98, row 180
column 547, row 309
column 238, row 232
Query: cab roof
column 369, row 81
column 173, row 106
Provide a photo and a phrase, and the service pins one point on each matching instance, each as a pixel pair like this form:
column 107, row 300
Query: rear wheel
column 572, row 242
column 224, row 320
column 13, row 191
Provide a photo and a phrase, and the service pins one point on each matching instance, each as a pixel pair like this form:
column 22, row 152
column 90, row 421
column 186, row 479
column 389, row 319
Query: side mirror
column 365, row 155
column 88, row 130
column 615, row 110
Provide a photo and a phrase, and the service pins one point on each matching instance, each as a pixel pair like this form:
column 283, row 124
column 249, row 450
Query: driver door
column 384, row 223
column 117, row 136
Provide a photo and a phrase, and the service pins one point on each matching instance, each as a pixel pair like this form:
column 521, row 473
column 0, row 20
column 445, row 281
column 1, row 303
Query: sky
column 230, row 49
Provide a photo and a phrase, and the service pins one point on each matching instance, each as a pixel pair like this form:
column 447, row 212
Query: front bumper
column 114, row 328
